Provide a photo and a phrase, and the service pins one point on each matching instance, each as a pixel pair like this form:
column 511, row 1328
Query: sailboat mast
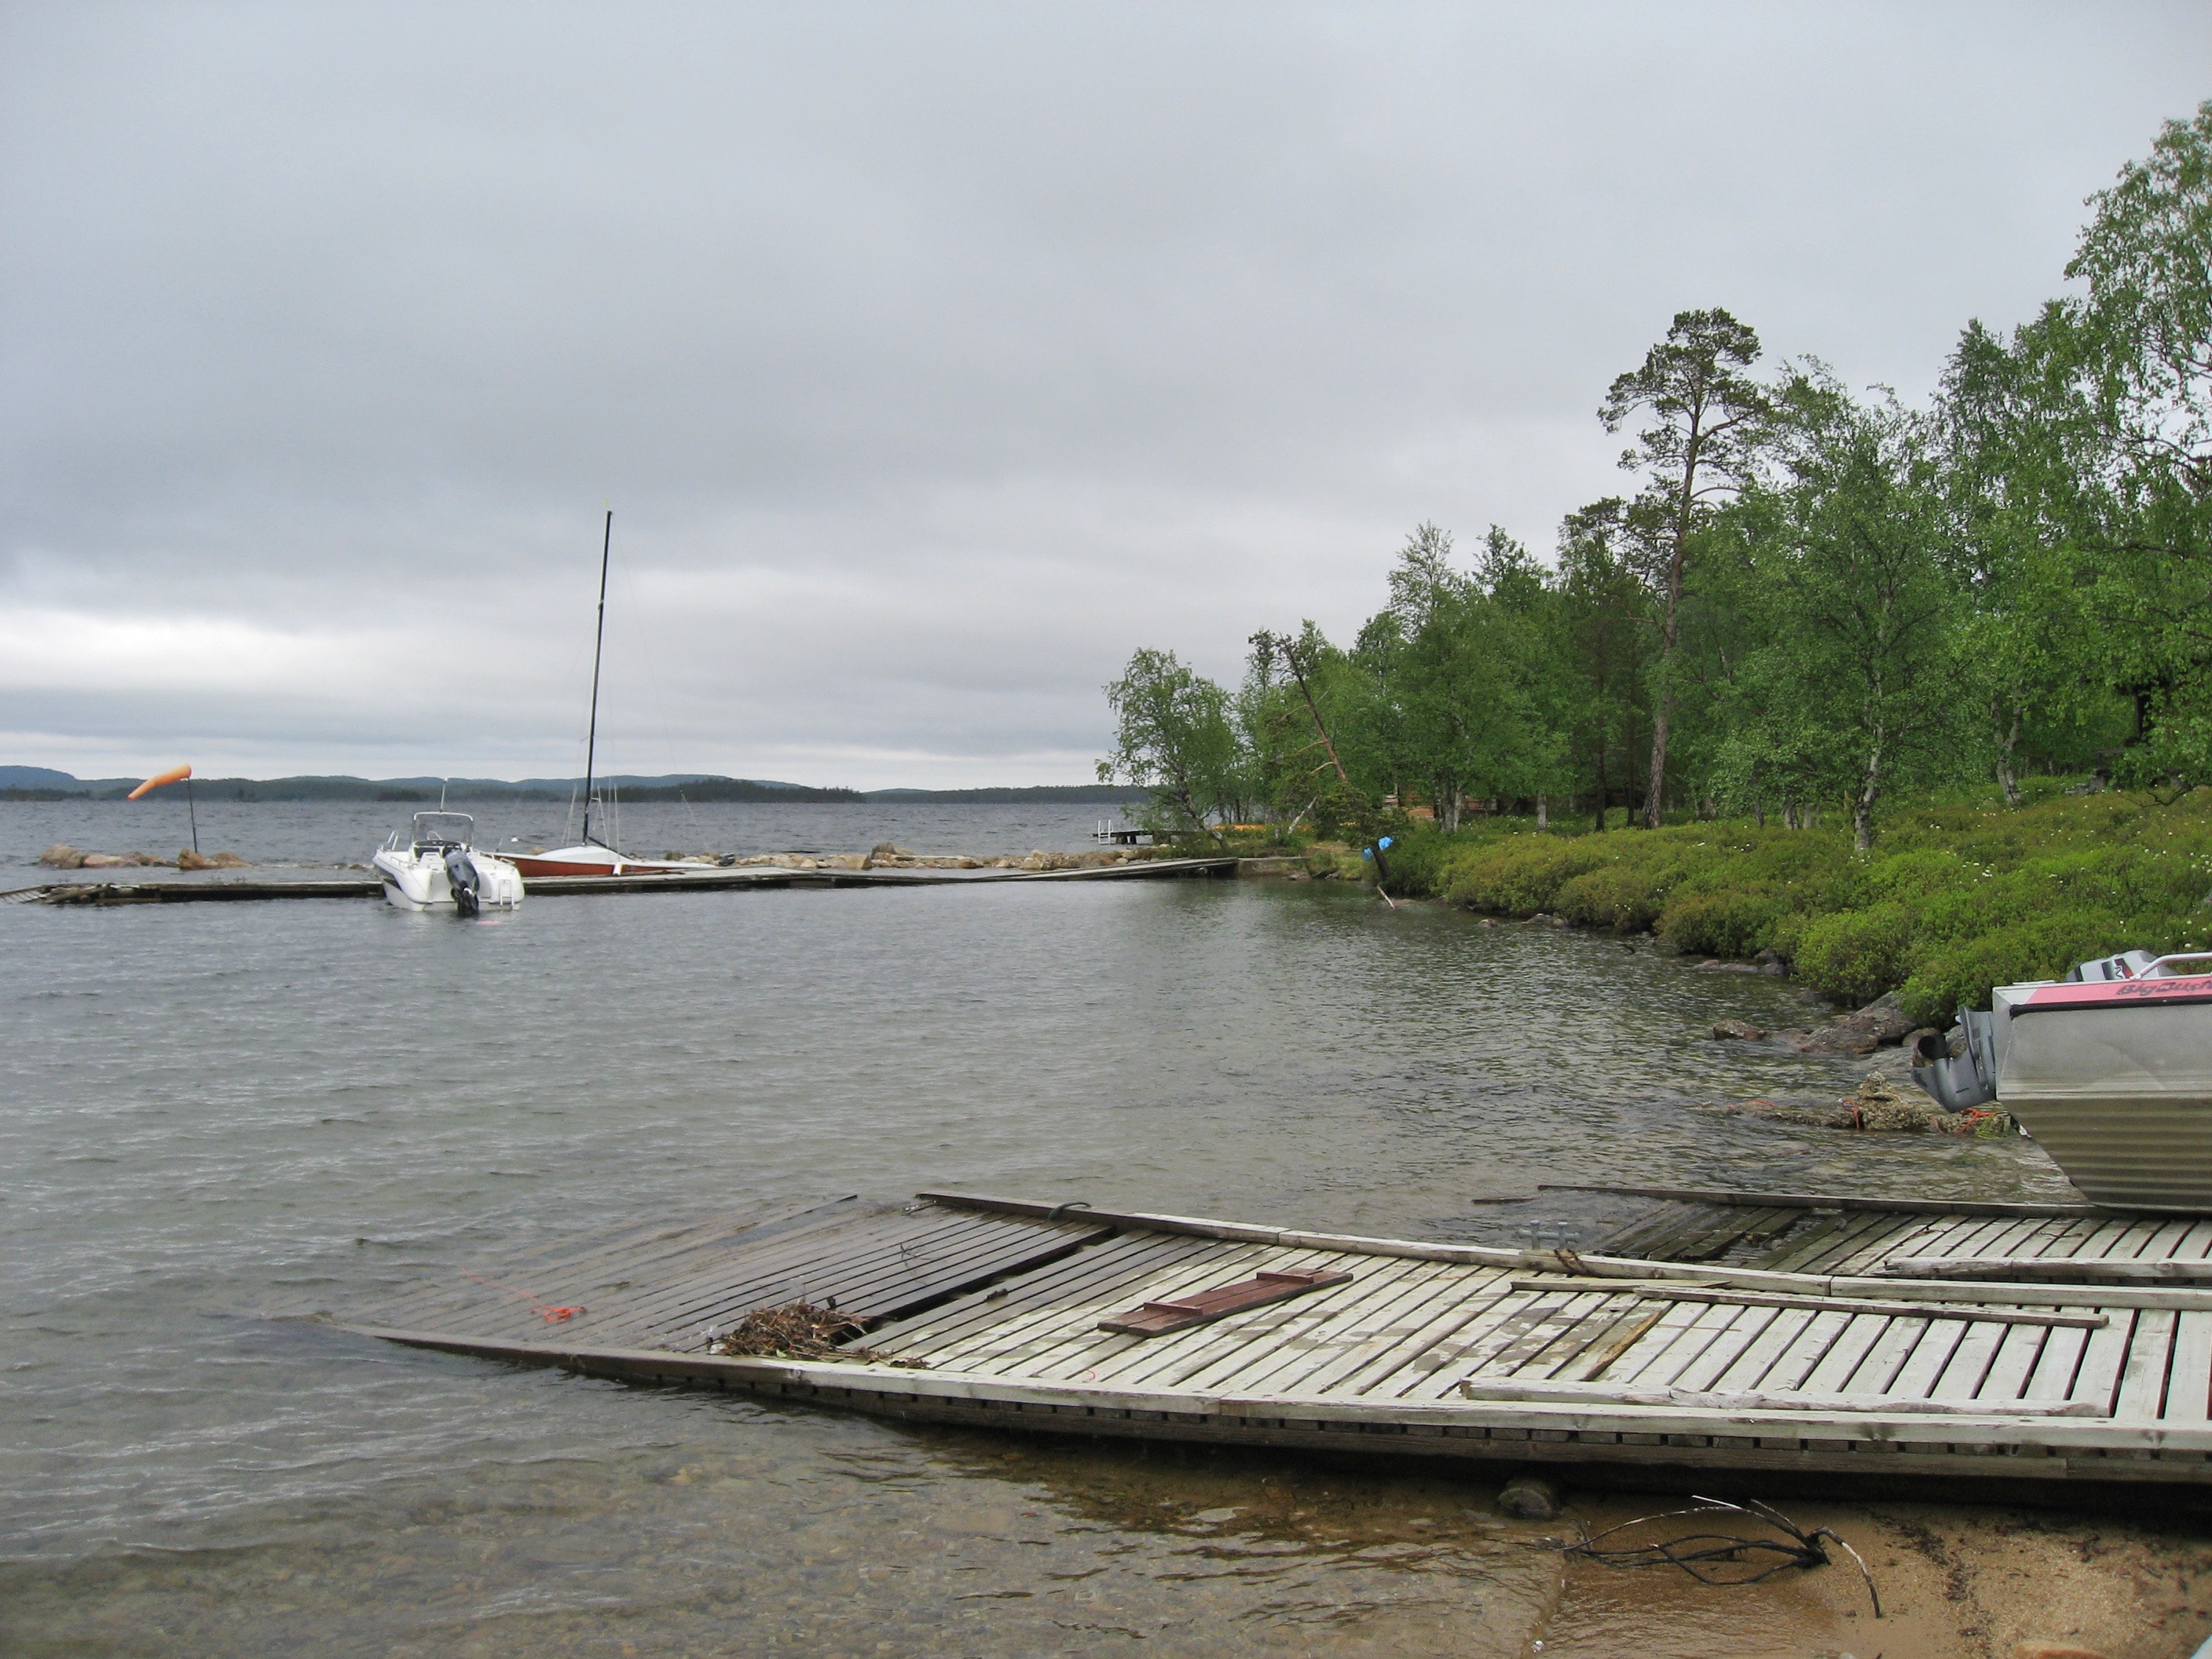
column 599, row 644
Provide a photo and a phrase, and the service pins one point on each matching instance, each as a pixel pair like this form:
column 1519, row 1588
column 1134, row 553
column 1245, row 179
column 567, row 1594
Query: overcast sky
column 931, row 357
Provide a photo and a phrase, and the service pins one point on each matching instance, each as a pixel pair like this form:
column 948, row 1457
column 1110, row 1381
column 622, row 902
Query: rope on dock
column 546, row 1310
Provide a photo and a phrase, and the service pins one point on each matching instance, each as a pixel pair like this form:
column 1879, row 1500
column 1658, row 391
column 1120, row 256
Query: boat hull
column 2120, row 1096
column 598, row 862
column 412, row 882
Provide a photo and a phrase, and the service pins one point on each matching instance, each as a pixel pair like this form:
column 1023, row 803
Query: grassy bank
column 1952, row 900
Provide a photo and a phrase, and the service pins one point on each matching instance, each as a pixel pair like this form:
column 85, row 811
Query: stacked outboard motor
column 461, row 875
column 1960, row 1070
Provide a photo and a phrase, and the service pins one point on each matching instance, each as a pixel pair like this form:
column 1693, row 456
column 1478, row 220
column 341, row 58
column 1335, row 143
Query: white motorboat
column 436, row 867
column 2110, row 1069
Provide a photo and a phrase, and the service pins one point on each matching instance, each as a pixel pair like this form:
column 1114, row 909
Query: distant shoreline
column 32, row 783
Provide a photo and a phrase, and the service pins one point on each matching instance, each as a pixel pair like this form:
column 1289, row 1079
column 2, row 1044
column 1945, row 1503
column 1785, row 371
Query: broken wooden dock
column 1711, row 1331
column 703, row 881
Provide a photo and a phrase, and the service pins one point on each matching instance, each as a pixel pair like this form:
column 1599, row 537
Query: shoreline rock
column 1881, row 1024
column 1878, row 1106
column 63, row 856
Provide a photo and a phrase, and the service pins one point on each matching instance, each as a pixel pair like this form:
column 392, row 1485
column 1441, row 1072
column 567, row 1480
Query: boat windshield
column 444, row 828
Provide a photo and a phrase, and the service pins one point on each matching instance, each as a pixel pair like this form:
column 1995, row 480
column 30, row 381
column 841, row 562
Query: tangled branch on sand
column 799, row 1330
column 1716, row 1558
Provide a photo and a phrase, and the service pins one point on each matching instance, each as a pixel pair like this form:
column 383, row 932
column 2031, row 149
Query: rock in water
column 62, row 856
column 1737, row 1029
column 1529, row 1498
column 1881, row 1022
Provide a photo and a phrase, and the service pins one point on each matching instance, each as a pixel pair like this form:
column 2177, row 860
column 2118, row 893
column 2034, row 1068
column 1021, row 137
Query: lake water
column 207, row 1106
column 311, row 838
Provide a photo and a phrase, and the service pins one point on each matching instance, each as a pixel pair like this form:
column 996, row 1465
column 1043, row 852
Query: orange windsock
column 174, row 775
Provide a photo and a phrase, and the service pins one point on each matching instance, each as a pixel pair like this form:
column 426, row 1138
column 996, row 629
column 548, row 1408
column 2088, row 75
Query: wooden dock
column 705, row 881
column 1744, row 1332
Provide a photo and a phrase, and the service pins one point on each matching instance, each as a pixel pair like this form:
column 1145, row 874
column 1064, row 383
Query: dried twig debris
column 799, row 1330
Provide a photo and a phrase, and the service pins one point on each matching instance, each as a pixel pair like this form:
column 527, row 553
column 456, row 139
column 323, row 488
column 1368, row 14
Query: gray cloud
column 932, row 358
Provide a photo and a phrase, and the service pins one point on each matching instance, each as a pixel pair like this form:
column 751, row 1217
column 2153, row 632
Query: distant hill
column 1103, row 794
column 42, row 782
column 43, row 779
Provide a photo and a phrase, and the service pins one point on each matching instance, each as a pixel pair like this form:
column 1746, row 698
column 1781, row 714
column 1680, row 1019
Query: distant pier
column 705, row 881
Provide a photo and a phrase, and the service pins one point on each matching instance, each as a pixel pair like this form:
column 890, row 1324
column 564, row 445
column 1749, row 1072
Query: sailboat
column 593, row 855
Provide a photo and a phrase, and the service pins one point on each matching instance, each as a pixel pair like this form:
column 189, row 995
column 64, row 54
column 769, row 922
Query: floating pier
column 705, row 881
column 1735, row 1332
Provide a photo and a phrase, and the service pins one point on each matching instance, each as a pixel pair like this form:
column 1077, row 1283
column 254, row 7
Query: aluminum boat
column 436, row 867
column 2110, row 1069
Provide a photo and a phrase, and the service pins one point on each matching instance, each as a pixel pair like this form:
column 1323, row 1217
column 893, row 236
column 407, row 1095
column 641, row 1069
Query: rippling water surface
column 206, row 1106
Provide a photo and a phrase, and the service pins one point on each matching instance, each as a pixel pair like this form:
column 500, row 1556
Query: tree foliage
column 1817, row 597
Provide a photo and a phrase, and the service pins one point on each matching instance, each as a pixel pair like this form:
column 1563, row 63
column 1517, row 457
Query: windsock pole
column 175, row 774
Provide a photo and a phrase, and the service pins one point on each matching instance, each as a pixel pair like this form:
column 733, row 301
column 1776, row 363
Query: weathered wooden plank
column 1809, row 1201
column 1835, row 1243
column 1666, row 1243
column 1382, row 1324
column 1631, row 1237
column 1602, row 1355
column 1301, row 1358
column 987, row 1322
column 1970, row 1311
column 567, row 1260
column 2142, row 1397
column 1560, row 1313
column 1917, row 1377
column 1433, row 1361
column 1599, row 1319
column 2020, row 1347
column 1878, row 1362
column 2042, row 1271
column 1065, row 1340
column 1812, row 1343
column 1727, row 1346
column 1751, row 1369
column 1135, row 1362
column 1681, row 1348
column 2057, row 1366
column 1779, row 1407
column 2097, row 1378
column 2189, row 1382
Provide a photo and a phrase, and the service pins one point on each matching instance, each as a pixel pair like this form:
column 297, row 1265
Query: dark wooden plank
column 1204, row 1307
column 1630, row 1237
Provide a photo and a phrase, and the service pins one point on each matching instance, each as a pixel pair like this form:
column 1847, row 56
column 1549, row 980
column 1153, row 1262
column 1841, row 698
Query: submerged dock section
column 1782, row 1333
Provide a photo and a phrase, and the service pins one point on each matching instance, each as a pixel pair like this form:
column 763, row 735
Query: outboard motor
column 1966, row 1078
column 461, row 876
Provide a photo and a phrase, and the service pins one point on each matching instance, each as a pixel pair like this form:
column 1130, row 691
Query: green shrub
column 1858, row 954
column 1617, row 895
column 1958, row 895
column 1523, row 874
column 1961, row 974
column 1731, row 924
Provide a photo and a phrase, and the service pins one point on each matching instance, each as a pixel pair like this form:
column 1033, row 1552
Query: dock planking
column 704, row 881
column 1797, row 1354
